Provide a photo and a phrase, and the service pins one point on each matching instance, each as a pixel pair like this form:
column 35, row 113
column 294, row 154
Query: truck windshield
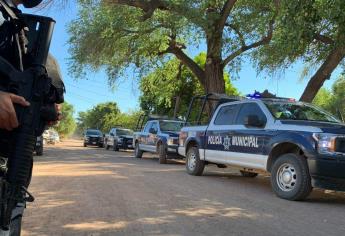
column 174, row 126
column 124, row 132
column 93, row 132
column 298, row 111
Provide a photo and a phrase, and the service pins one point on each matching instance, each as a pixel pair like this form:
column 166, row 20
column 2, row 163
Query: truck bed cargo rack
column 216, row 98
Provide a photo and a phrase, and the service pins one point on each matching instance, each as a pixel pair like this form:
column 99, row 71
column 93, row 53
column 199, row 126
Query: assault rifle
column 34, row 84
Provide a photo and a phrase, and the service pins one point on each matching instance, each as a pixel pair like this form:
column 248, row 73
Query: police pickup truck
column 159, row 135
column 299, row 144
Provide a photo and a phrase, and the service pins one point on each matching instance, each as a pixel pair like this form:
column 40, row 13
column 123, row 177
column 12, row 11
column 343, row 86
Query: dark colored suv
column 93, row 137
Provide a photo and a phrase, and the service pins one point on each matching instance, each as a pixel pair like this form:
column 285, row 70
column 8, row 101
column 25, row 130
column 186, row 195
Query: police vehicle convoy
column 159, row 135
column 299, row 144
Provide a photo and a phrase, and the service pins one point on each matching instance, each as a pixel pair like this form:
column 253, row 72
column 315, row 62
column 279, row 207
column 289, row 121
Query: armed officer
column 13, row 44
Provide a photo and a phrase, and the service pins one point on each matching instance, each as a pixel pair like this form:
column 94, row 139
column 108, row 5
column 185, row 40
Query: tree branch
column 264, row 40
column 147, row 31
column 225, row 13
column 177, row 49
column 147, row 6
column 324, row 39
column 238, row 32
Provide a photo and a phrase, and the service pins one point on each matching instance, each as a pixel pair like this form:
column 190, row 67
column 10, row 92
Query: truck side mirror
column 254, row 121
column 152, row 131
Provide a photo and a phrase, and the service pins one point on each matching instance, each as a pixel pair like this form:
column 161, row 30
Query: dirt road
column 91, row 191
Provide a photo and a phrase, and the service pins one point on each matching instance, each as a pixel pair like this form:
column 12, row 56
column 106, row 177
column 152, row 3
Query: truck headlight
column 325, row 143
column 171, row 141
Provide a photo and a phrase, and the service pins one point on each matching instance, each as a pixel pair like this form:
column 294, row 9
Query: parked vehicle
column 50, row 137
column 39, row 146
column 158, row 136
column 93, row 137
column 300, row 145
column 119, row 138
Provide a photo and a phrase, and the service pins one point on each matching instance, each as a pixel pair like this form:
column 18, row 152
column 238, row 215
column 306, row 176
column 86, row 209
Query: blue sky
column 87, row 92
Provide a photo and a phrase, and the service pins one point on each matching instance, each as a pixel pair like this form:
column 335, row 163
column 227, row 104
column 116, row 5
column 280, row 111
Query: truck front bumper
column 173, row 152
column 327, row 172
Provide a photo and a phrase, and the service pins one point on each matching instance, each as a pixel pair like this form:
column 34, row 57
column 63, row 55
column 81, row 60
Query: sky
column 87, row 92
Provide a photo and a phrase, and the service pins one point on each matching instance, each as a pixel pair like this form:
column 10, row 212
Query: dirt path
column 91, row 191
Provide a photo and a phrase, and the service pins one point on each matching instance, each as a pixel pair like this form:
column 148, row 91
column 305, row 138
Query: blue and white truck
column 300, row 145
column 159, row 135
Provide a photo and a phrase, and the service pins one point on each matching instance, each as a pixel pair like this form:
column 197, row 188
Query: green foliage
column 115, row 37
column 98, row 117
column 161, row 87
column 298, row 25
column 67, row 125
column 126, row 120
column 333, row 100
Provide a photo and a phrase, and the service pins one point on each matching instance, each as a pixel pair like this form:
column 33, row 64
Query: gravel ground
column 91, row 191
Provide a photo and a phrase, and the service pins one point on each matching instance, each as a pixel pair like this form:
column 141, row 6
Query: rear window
column 226, row 115
column 174, row 126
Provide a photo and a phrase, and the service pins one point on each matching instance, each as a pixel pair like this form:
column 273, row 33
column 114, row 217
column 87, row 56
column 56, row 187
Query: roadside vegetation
column 67, row 125
column 155, row 38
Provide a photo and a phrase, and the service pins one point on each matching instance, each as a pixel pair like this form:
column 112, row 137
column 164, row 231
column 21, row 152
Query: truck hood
column 94, row 136
column 172, row 134
column 326, row 127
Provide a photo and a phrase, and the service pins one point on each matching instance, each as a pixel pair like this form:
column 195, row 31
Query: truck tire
column 290, row 178
column 194, row 165
column 85, row 145
column 248, row 174
column 39, row 152
column 162, row 154
column 137, row 152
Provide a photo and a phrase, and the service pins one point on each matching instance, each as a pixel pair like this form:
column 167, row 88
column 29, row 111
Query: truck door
column 144, row 136
column 248, row 140
column 218, row 147
column 152, row 137
column 110, row 140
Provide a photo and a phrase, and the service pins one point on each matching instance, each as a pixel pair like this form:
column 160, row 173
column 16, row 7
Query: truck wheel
column 290, row 178
column 138, row 153
column 85, row 145
column 248, row 174
column 162, row 154
column 39, row 152
column 194, row 165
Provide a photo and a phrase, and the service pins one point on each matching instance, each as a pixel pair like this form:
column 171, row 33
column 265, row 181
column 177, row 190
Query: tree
column 67, row 125
column 333, row 100
column 168, row 89
column 98, row 116
column 117, row 34
column 309, row 31
column 126, row 120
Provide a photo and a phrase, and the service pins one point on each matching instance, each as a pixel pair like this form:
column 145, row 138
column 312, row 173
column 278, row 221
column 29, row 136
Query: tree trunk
column 177, row 105
column 322, row 74
column 214, row 70
column 214, row 76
